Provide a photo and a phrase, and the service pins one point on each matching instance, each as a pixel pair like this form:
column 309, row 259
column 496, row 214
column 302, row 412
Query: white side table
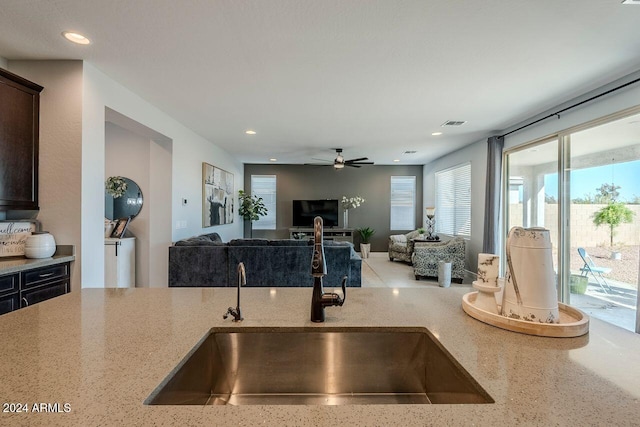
column 120, row 262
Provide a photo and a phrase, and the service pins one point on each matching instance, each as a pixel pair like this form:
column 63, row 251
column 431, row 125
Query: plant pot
column 365, row 249
column 616, row 256
column 578, row 284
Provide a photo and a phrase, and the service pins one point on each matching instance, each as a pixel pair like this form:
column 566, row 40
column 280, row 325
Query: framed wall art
column 217, row 196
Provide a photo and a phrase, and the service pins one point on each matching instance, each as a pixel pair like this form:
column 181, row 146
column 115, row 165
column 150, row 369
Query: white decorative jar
column 40, row 244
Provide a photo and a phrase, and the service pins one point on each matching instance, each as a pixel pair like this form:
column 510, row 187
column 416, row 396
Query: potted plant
column 365, row 237
column 578, row 284
column 613, row 215
column 251, row 208
column 421, row 232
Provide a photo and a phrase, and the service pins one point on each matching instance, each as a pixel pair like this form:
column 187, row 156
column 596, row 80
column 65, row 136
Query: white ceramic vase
column 365, row 249
column 530, row 288
column 40, row 244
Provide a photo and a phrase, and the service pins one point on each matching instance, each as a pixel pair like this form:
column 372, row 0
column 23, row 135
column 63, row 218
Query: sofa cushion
column 249, row 242
column 212, row 239
column 289, row 242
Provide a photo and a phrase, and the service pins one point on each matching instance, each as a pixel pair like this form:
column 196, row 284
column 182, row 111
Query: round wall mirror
column 127, row 205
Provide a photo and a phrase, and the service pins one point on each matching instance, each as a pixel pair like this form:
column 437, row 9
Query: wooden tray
column 573, row 322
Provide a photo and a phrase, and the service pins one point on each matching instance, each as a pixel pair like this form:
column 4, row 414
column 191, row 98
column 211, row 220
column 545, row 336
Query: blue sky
column 587, row 181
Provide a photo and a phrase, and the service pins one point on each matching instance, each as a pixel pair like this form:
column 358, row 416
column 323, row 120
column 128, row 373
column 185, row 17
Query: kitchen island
column 92, row 357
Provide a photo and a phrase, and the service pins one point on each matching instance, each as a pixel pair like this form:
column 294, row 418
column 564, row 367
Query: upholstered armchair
column 426, row 256
column 401, row 246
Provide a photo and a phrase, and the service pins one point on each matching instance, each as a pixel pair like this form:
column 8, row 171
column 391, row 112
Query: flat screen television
column 304, row 211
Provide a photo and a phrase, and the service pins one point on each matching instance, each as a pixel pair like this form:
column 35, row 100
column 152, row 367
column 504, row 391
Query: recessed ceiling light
column 436, row 133
column 273, row 159
column 250, row 132
column 396, row 160
column 75, row 37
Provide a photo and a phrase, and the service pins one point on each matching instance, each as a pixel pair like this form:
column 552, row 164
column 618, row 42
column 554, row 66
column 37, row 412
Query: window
column 453, row 201
column 403, row 202
column 265, row 186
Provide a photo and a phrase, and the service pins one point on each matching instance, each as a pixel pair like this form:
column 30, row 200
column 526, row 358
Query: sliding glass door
column 604, row 219
column 532, row 196
column 584, row 186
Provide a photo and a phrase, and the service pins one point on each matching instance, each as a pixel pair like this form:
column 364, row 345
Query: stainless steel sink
column 318, row 366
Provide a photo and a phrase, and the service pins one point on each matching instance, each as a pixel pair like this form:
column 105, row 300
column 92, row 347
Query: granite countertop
column 16, row 264
column 103, row 351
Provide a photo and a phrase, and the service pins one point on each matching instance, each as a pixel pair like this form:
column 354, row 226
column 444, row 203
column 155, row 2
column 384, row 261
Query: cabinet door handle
column 42, row 276
column 26, row 303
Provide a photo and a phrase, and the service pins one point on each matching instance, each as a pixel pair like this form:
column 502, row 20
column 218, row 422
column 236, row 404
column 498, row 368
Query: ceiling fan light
column 338, row 165
column 339, row 159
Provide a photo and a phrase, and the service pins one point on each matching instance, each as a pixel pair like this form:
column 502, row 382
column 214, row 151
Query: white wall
column 189, row 151
column 60, row 150
column 128, row 154
column 145, row 156
column 476, row 154
column 4, row 63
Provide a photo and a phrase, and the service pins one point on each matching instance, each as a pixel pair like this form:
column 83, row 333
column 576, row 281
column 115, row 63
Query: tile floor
column 396, row 274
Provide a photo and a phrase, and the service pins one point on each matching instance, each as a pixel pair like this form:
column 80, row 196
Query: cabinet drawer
column 9, row 283
column 9, row 303
column 38, row 276
column 43, row 293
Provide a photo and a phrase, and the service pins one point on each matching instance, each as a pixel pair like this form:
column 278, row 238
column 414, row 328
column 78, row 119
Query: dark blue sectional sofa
column 205, row 261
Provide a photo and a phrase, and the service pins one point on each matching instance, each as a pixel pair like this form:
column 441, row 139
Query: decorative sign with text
column 13, row 235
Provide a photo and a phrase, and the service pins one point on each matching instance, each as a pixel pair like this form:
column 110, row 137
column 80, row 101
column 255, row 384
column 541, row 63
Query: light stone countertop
column 9, row 265
column 103, row 351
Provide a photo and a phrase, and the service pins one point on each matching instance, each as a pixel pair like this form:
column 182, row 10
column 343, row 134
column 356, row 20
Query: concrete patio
column 617, row 306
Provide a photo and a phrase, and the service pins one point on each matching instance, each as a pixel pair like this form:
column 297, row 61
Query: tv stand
column 330, row 233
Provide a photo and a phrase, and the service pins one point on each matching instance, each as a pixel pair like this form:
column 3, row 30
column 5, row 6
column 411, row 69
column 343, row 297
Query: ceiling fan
column 339, row 162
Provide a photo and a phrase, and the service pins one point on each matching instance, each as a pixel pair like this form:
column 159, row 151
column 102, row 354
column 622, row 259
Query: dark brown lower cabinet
column 28, row 287
column 9, row 303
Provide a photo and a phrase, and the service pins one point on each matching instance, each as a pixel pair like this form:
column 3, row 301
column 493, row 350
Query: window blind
column 453, row 201
column 403, row 203
column 265, row 186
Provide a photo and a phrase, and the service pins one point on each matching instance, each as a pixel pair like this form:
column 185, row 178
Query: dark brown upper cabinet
column 19, row 131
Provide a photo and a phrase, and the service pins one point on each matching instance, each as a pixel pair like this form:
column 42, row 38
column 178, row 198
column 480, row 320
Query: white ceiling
column 375, row 78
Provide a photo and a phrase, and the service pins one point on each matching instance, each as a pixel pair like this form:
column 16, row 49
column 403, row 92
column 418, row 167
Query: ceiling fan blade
column 356, row 160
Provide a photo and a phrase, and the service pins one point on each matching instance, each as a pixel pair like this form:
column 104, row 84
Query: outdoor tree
column 614, row 214
column 607, row 193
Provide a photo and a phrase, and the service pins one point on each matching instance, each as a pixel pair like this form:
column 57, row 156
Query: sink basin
column 317, row 366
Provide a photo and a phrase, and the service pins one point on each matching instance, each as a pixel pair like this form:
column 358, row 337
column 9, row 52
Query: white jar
column 40, row 244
